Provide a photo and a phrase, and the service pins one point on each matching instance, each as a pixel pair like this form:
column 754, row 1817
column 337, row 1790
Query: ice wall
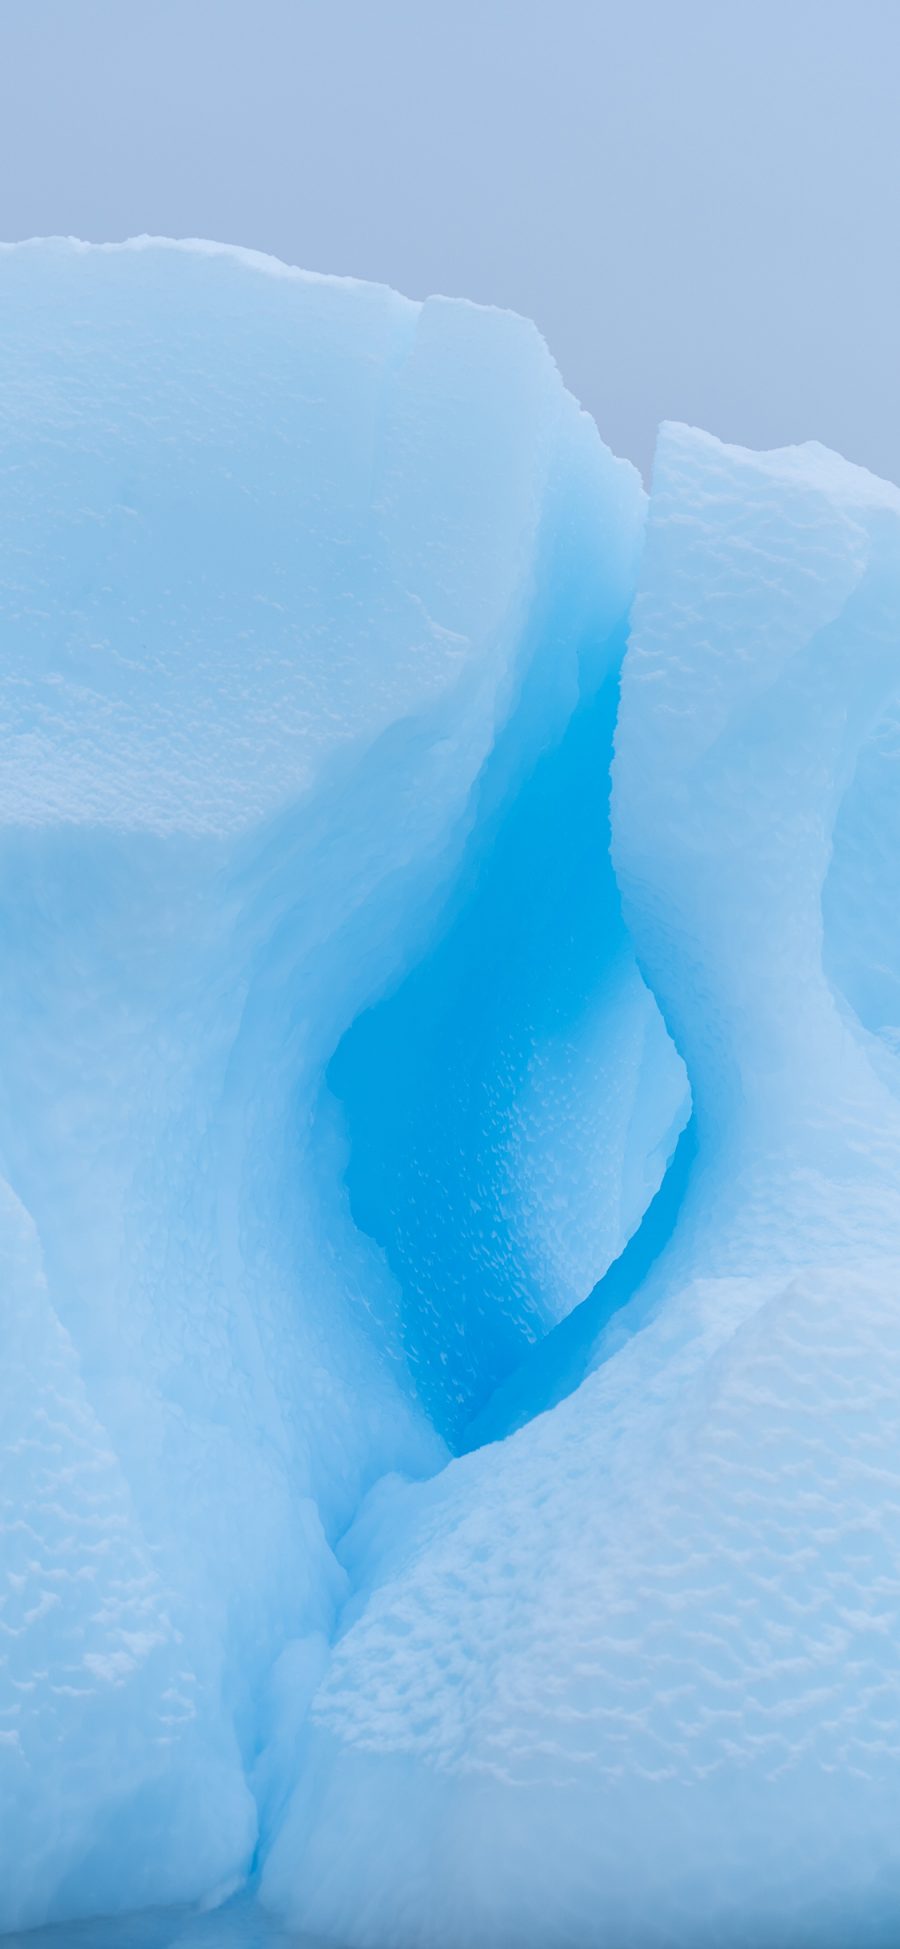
column 300, row 583
column 630, row 1675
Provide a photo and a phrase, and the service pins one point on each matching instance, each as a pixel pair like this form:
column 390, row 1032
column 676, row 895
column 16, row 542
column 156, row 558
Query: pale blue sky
column 698, row 200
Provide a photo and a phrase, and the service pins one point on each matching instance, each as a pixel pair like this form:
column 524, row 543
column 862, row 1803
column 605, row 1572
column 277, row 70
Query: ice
column 510, row 1108
column 239, row 1924
column 302, row 586
column 449, row 1135
column 631, row 1674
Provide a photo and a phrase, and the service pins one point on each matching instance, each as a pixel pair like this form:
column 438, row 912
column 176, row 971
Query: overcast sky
column 697, row 200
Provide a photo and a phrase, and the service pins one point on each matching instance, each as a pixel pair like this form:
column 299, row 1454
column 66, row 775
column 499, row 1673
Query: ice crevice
column 508, row 1106
column 451, row 1464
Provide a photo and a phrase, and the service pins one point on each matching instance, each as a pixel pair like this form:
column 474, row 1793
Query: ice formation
column 450, row 1467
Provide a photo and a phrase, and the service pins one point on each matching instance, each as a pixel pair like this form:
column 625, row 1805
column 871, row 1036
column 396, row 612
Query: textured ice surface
column 633, row 1674
column 339, row 1131
column 240, row 1924
column 301, row 584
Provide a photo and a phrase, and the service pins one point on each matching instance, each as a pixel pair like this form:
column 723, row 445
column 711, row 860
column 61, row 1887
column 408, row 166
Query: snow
column 449, row 1135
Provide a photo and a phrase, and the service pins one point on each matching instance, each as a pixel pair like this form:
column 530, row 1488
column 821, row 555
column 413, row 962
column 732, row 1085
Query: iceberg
column 303, row 587
column 449, row 1134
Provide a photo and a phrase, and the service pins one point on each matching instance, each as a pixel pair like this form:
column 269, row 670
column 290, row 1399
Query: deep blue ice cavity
column 431, row 1077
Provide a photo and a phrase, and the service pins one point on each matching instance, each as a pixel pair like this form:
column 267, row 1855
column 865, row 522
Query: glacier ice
column 450, row 1462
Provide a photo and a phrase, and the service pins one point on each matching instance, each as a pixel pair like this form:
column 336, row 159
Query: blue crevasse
column 442, row 1485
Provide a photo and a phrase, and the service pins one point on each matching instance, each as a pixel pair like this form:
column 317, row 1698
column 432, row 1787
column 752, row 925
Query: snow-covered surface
column 335, row 1077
